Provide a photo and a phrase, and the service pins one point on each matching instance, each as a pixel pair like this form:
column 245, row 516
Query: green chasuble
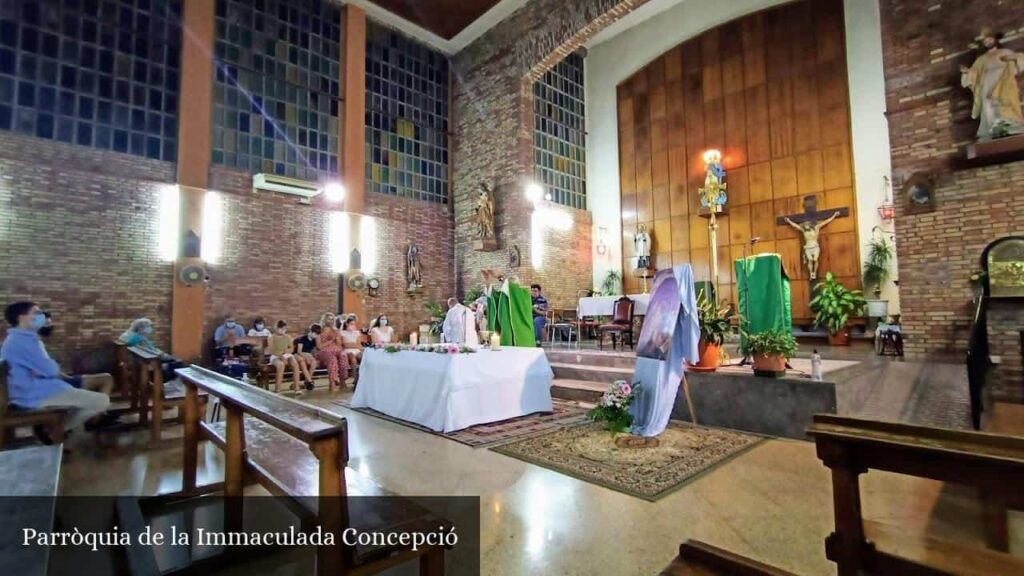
column 510, row 313
column 764, row 293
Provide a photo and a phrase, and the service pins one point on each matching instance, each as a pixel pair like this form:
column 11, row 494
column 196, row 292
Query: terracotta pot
column 710, row 355
column 769, row 363
column 841, row 338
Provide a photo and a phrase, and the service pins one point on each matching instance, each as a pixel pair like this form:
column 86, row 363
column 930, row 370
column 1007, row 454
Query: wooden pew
column 11, row 418
column 149, row 394
column 851, row 446
column 296, row 451
column 29, row 478
column 699, row 559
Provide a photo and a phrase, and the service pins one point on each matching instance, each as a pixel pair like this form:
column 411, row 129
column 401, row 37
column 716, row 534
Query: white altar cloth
column 605, row 305
column 448, row 392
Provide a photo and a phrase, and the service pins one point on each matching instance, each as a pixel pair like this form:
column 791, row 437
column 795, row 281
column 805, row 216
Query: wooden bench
column 851, row 446
column 29, row 478
column 699, row 559
column 264, row 373
column 298, row 451
column 149, row 394
column 12, row 418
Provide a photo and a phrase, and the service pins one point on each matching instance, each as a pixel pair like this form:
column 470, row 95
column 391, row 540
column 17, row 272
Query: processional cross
column 809, row 224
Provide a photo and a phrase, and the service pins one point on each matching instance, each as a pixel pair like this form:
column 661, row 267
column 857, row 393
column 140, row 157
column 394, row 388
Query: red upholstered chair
column 621, row 324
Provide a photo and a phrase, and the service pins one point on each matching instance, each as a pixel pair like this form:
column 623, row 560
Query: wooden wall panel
column 769, row 90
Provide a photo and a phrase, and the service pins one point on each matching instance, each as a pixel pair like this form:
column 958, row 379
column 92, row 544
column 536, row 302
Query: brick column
column 352, row 139
column 194, row 149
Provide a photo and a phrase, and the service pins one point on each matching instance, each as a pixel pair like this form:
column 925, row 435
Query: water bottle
column 816, row 366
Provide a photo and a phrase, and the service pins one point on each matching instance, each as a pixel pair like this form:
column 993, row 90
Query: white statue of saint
column 993, row 79
column 642, row 243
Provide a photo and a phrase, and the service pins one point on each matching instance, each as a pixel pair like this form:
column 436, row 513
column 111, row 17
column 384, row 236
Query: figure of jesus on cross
column 809, row 227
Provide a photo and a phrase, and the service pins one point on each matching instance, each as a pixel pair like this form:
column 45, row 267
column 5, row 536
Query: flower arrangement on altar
column 613, row 408
column 435, row 348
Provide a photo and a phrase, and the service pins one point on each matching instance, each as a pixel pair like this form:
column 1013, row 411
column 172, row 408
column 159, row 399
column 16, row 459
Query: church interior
column 623, row 287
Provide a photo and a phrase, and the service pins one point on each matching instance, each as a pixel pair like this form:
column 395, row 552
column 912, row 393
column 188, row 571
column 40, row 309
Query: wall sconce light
column 334, row 192
column 601, row 247
column 534, row 192
column 887, row 211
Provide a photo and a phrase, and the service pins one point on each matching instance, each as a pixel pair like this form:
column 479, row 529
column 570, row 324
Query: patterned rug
column 566, row 413
column 589, row 453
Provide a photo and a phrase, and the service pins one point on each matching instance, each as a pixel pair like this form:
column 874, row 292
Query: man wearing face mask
column 226, row 337
column 34, row 379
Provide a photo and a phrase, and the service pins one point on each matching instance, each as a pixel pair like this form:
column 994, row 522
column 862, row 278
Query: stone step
column 592, row 358
column 602, row 375
column 581, row 391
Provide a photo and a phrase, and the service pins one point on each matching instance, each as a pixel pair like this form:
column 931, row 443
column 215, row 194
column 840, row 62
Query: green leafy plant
column 833, row 304
column 612, row 284
column 878, row 265
column 474, row 293
column 769, row 343
column 436, row 313
column 714, row 321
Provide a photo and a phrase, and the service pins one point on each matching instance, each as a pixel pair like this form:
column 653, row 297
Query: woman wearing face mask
column 138, row 334
column 280, row 347
column 381, row 332
column 259, row 329
column 305, row 351
column 330, row 352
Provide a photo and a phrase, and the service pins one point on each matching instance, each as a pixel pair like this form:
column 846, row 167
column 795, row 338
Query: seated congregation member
column 102, row 382
column 330, row 352
column 226, row 338
column 305, row 351
column 138, row 334
column 540, row 309
column 352, row 340
column 259, row 329
column 34, row 379
column 380, row 332
column 281, row 346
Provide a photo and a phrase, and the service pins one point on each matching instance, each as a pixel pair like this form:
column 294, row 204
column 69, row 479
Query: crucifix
column 809, row 224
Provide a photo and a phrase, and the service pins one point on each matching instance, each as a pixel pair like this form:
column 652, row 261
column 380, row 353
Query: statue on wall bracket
column 486, row 241
column 413, row 276
column 993, row 80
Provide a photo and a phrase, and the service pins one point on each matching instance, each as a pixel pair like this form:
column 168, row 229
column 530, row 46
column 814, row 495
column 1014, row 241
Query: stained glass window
column 276, row 95
column 559, row 133
column 406, row 117
column 99, row 73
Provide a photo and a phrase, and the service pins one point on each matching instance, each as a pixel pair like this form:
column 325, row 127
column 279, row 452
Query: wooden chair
column 621, row 324
column 12, row 418
column 299, row 452
column 699, row 559
column 991, row 463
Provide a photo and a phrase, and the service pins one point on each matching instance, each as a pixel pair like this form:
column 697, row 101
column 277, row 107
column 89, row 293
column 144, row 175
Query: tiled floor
column 772, row 503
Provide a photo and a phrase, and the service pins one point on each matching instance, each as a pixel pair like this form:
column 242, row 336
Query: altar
column 448, row 392
column 604, row 305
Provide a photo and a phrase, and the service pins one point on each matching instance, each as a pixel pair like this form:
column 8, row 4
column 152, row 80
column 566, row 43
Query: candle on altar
column 495, row 341
column 414, row 338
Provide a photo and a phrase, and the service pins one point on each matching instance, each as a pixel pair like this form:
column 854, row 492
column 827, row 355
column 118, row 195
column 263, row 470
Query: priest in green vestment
column 763, row 288
column 510, row 313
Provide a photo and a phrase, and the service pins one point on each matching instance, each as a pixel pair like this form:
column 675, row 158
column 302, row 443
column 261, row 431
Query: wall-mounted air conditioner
column 304, row 189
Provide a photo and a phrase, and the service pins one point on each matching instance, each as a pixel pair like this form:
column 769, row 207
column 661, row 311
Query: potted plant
column 770, row 350
column 714, row 325
column 833, row 304
column 877, row 271
column 612, row 284
column 436, row 313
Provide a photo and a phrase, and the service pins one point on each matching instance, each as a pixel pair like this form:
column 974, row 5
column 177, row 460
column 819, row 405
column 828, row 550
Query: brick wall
column 924, row 43
column 78, row 230
column 275, row 261
column 493, row 140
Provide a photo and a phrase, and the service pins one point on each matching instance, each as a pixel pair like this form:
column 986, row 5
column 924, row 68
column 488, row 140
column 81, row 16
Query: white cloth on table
column 659, row 379
column 605, row 305
column 448, row 392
